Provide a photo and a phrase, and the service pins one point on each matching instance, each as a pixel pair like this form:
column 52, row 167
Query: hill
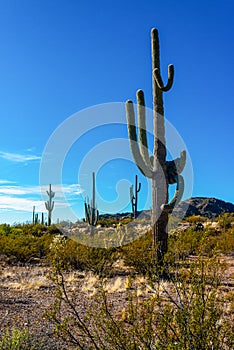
column 203, row 206
column 208, row 207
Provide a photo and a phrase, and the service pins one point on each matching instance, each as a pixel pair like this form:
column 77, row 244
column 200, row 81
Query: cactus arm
column 142, row 128
column 132, row 197
column 146, row 171
column 96, row 217
column 177, row 196
column 180, row 162
column 131, row 192
column 159, row 81
column 175, row 167
column 139, row 187
column 93, row 197
column 87, row 212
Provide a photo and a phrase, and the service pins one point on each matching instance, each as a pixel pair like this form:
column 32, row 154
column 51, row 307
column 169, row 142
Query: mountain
column 203, row 206
column 208, row 207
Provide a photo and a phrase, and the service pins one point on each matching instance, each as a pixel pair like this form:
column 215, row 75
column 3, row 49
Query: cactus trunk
column 159, row 179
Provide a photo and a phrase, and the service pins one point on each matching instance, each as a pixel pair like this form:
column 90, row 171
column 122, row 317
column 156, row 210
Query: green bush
column 209, row 240
column 225, row 220
column 187, row 311
column 139, row 255
column 67, row 254
column 17, row 339
column 21, row 243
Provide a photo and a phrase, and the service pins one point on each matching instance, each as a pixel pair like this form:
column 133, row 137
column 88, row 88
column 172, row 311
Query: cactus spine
column 50, row 204
column 91, row 212
column 161, row 172
column 134, row 197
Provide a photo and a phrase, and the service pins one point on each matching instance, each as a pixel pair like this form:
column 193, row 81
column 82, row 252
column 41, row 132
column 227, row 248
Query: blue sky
column 60, row 57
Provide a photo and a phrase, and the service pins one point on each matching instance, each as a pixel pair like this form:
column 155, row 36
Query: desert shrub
column 62, row 252
column 195, row 219
column 99, row 261
column 107, row 222
column 125, row 221
column 139, row 255
column 186, row 243
column 67, row 253
column 17, row 339
column 23, row 246
column 225, row 221
column 186, row 311
column 5, row 229
column 223, row 242
column 191, row 242
column 38, row 229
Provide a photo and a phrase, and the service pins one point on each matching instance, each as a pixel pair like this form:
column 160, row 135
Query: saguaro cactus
column 134, row 196
column 42, row 218
column 36, row 219
column 91, row 212
column 161, row 172
column 33, row 216
column 50, row 204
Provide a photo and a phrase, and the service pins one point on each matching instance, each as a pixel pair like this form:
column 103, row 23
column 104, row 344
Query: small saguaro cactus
column 50, row 204
column 91, row 212
column 33, row 216
column 134, row 196
column 161, row 172
column 36, row 219
column 42, row 218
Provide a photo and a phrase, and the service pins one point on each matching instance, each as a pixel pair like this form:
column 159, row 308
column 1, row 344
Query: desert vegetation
column 128, row 301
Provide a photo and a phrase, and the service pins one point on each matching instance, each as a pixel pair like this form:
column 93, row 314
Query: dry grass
column 24, row 278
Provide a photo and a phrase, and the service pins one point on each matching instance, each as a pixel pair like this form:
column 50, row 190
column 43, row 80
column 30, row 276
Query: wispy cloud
column 18, row 158
column 23, row 198
column 4, row 182
column 20, row 204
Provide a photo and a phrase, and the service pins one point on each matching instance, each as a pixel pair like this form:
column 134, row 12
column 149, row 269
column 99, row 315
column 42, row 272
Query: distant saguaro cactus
column 91, row 212
column 161, row 172
column 50, row 204
column 36, row 219
column 42, row 218
column 134, row 196
column 33, row 216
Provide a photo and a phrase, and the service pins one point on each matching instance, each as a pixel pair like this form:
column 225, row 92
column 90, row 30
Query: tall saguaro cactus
column 161, row 172
column 134, row 196
column 50, row 204
column 91, row 212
